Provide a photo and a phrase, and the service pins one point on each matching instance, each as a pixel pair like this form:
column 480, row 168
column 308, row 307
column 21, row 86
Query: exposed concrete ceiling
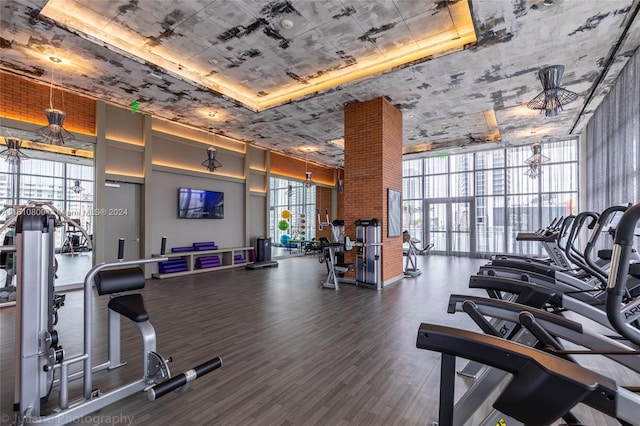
column 182, row 60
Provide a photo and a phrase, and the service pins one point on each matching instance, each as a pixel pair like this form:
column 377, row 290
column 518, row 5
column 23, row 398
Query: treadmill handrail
column 604, row 218
column 515, row 308
column 570, row 250
column 621, row 315
column 591, row 388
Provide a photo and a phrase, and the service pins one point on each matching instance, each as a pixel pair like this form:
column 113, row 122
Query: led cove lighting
column 89, row 24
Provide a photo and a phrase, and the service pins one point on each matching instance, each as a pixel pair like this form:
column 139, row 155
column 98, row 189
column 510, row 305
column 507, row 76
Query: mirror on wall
column 62, row 175
column 292, row 217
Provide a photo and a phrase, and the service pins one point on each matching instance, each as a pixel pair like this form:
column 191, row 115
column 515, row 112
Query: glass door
column 460, row 229
column 437, row 220
column 449, row 226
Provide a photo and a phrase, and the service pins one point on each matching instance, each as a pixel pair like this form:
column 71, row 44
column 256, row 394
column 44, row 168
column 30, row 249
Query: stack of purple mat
column 181, row 249
column 238, row 258
column 205, row 262
column 178, row 264
column 209, row 245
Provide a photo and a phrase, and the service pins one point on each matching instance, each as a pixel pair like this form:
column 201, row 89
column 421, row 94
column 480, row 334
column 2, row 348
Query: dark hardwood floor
column 294, row 353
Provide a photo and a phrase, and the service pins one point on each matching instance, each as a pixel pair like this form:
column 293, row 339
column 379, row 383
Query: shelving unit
column 227, row 256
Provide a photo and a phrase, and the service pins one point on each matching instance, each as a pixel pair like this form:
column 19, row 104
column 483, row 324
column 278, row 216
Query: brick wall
column 24, row 100
column 292, row 167
column 373, row 163
column 391, row 178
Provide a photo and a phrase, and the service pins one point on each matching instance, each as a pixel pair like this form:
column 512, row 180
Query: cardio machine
column 411, row 264
column 544, row 386
column 40, row 356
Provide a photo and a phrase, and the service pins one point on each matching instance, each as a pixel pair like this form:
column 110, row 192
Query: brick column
column 372, row 164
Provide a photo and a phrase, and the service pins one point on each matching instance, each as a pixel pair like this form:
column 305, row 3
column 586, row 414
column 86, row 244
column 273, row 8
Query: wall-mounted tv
column 200, row 204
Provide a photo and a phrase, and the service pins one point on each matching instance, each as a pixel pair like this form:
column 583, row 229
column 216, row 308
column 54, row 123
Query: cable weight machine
column 39, row 355
column 368, row 253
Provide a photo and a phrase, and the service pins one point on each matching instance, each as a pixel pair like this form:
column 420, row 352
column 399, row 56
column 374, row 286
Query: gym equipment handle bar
column 182, row 379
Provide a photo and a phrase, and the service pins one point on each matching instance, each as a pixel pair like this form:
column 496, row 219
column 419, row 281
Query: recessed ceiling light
column 154, row 76
column 338, row 142
column 286, row 24
column 55, row 59
column 213, row 114
column 547, row 2
column 212, row 61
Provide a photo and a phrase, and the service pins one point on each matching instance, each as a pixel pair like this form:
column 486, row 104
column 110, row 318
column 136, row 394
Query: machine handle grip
column 182, row 379
column 163, row 246
column 626, row 227
column 121, row 249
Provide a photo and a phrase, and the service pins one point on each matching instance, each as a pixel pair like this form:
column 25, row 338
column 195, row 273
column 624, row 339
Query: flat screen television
column 200, row 204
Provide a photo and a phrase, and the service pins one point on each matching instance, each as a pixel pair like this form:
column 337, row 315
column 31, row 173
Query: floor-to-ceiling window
column 69, row 187
column 476, row 203
column 299, row 203
column 412, row 190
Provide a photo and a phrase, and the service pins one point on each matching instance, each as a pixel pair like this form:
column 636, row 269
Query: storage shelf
column 227, row 257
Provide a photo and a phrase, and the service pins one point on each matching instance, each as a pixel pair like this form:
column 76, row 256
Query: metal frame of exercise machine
column 38, row 352
column 331, row 253
column 411, row 264
column 544, row 387
column 541, row 379
column 369, row 253
column 533, row 326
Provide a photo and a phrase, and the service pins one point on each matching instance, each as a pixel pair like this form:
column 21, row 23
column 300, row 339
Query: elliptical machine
column 411, row 264
column 39, row 354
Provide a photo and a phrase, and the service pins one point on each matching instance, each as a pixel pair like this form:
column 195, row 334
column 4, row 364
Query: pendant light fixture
column 76, row 187
column 552, row 97
column 339, row 179
column 211, row 163
column 535, row 161
column 54, row 133
column 12, row 154
column 307, row 183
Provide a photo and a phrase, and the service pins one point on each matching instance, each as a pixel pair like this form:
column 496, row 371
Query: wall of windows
column 293, row 196
column 68, row 186
column 476, row 203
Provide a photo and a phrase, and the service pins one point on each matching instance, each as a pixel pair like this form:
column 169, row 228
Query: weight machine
column 333, row 252
column 368, row 253
column 39, row 355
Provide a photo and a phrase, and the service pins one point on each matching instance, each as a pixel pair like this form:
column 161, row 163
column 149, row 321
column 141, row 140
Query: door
column 437, row 228
column 123, row 220
column 449, row 226
column 460, row 230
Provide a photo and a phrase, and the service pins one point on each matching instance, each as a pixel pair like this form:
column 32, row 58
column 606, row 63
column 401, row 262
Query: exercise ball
column 286, row 214
column 283, row 225
column 284, row 240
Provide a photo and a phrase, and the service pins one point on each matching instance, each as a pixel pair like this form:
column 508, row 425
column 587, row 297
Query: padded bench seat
column 130, row 306
column 344, row 267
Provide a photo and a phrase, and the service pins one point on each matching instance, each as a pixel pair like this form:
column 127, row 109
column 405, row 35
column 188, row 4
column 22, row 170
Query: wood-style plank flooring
column 294, row 353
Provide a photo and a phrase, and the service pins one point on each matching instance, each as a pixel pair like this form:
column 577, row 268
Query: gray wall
column 227, row 232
